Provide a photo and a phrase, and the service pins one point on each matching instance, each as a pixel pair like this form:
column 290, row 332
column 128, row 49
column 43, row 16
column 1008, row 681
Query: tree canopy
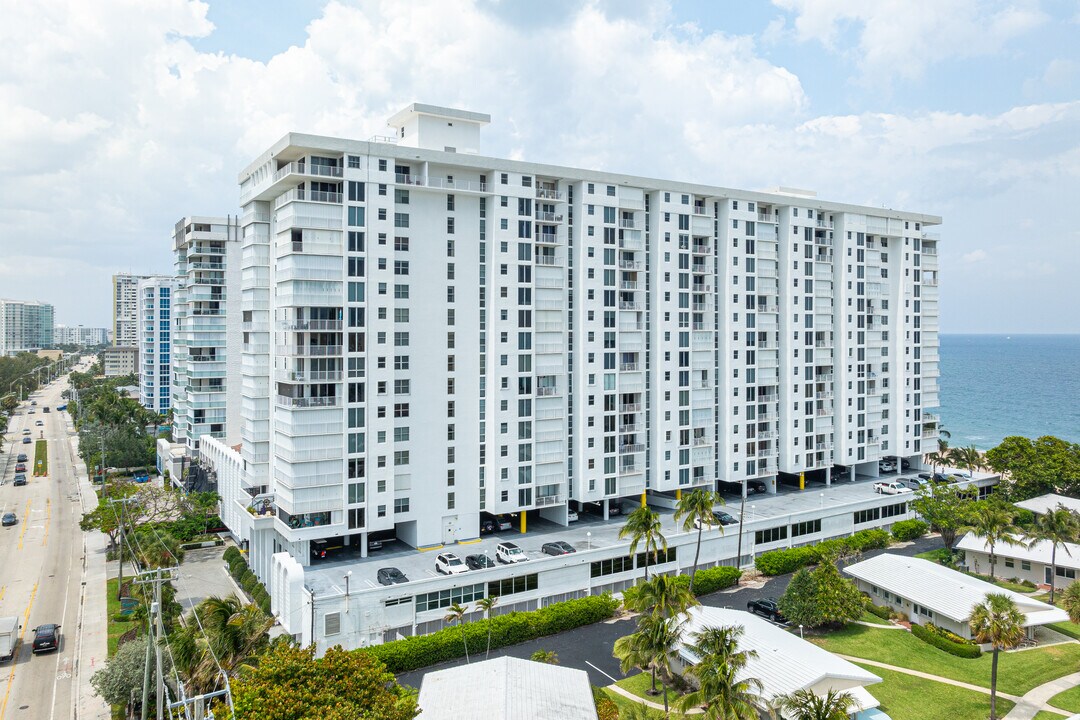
column 821, row 596
column 946, row 507
column 1035, row 467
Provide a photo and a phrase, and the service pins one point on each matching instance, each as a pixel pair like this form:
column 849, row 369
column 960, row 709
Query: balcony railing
column 630, row 407
column 307, row 402
column 312, row 325
column 548, row 217
column 631, row 448
column 700, row 210
column 302, row 168
column 309, row 350
column 547, row 193
column 547, row 391
column 440, row 183
column 630, row 367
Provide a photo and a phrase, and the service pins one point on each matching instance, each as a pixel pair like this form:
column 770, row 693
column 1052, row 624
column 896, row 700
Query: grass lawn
column 41, row 457
column 1067, row 628
column 939, row 556
column 1017, row 672
column 906, row 697
column 641, row 683
column 873, row 619
column 116, row 628
column 1068, row 700
column 627, row 706
column 1047, row 715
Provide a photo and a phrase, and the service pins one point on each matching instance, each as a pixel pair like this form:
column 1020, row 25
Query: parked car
column 22, row 458
column 916, row 482
column 20, row 480
column 753, row 487
column 886, row 466
column 766, row 607
column 719, row 518
column 449, row 564
column 45, row 409
column 614, row 508
column 46, row 638
column 559, row 547
column 478, row 562
column 391, row 576
column 320, row 549
column 9, row 519
column 504, row 522
column 756, row 486
column 26, row 440
column 571, row 516
column 509, row 553
column 894, row 487
column 936, row 477
column 26, row 431
column 20, row 467
column 39, row 423
column 905, row 464
column 487, row 526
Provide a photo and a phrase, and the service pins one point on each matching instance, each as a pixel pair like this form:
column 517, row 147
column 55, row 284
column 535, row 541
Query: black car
column 21, row 458
column 936, row 477
column 558, row 547
column 479, row 562
column 725, row 518
column 9, row 519
column 766, row 607
column 905, row 464
column 46, row 638
column 755, row 486
column 391, row 576
column 487, row 526
column 20, row 480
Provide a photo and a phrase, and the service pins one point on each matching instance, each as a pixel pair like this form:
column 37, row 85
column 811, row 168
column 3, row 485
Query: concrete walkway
column 1036, row 699
column 648, row 703
column 890, row 626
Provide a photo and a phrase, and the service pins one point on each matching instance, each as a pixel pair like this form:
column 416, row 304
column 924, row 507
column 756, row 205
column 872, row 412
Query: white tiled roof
column 1068, row 554
column 785, row 662
column 942, row 590
column 507, row 688
column 1039, row 505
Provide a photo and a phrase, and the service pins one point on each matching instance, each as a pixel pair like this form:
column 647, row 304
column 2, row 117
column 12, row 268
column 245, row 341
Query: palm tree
column 550, row 657
column 662, row 596
column 968, row 458
column 807, row 705
column 943, row 439
column 229, row 633
column 935, row 459
column 643, row 528
column 487, row 604
column 720, row 662
column 1000, row 623
column 993, row 522
column 1070, row 601
column 696, row 507
column 456, row 614
column 1058, row 527
column 650, row 648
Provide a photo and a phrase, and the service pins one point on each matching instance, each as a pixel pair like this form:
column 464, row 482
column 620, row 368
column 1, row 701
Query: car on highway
column 33, row 402
column 891, row 488
column 46, row 638
column 20, row 467
column 61, row 408
column 39, row 423
column 30, row 411
column 26, row 440
column 508, row 553
column 45, row 409
column 391, row 576
column 20, row 480
column 478, row 562
column 766, row 607
column 559, row 547
column 9, row 519
column 26, row 431
column 22, row 458
column 449, row 564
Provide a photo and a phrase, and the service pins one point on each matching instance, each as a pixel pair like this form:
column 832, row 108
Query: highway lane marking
column 586, row 662
column 67, row 661
column 25, row 524
column 2, row 591
column 48, row 516
column 22, row 634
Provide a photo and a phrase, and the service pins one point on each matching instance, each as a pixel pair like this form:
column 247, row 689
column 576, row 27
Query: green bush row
column 880, row 610
column 948, row 634
column 232, row 552
column 705, row 582
column 907, row 530
column 961, row 650
column 782, row 562
column 447, row 644
column 247, row 580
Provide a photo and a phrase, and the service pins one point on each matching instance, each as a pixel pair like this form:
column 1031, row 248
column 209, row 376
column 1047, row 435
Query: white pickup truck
column 891, row 488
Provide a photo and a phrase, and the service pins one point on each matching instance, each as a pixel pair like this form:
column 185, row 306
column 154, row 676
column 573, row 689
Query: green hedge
column 231, row 553
column 881, row 611
column 961, row 650
column 246, row 579
column 422, row 650
column 906, row 530
column 782, row 562
column 713, row 579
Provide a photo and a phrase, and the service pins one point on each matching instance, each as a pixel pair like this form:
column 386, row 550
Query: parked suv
column 766, row 607
column 449, row 564
column 509, row 553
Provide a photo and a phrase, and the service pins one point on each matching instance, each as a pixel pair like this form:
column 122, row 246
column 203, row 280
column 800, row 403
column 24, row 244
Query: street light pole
column 347, row 576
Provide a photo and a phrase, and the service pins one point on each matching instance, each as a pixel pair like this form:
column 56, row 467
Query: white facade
column 155, row 343
column 429, row 334
column 205, row 312
column 120, row 361
column 25, row 326
column 125, row 319
column 1037, row 563
column 79, row 335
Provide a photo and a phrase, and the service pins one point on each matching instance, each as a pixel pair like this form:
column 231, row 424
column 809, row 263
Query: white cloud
column 974, row 256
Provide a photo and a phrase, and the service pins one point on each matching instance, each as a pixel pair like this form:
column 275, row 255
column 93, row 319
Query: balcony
column 701, row 249
column 548, row 193
column 440, row 183
column 631, row 327
column 701, row 210
column 631, row 243
column 631, row 264
column 630, row 305
column 631, row 448
column 307, row 402
column 630, row 367
column 548, row 500
column 309, row 350
column 547, row 238
column 766, row 217
column 630, row 407
column 306, row 520
column 302, row 168
column 313, row 325
column 630, row 285
column 547, row 391
column 549, row 260
column 309, row 376
column 626, row 223
column 548, row 217
column 549, row 348
column 823, row 223
column 699, row 268
column 298, row 194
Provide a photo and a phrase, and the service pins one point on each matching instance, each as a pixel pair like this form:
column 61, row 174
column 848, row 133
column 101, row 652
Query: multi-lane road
column 41, row 562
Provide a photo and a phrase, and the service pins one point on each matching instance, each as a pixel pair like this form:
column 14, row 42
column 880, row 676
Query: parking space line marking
column 600, row 671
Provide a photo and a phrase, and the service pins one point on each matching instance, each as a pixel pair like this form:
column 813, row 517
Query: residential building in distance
column 125, row 319
column 25, row 326
column 120, row 361
column 79, row 335
column 1036, row 563
column 155, row 342
column 206, row 252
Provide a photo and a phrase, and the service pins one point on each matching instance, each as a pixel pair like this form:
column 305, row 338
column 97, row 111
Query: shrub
column 906, row 530
column 248, row 581
column 782, row 562
column 230, row 553
column 264, row 605
column 606, row 709
column 713, row 579
column 422, row 650
column 880, row 610
column 899, row 616
column 961, row 650
column 947, row 634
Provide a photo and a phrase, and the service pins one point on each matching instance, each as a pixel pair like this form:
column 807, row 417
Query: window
column 510, row 586
column 332, row 623
column 401, row 505
column 659, row 558
column 1064, row 572
column 893, row 510
column 1009, row 562
column 865, row 516
column 451, row 596
column 806, row 528
column 612, row 566
column 1025, row 565
column 770, row 535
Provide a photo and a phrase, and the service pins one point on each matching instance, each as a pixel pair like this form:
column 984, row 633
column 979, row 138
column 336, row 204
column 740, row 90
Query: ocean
column 993, row 386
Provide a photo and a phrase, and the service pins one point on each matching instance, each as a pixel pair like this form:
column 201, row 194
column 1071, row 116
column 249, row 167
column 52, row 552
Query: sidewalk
column 1036, row 699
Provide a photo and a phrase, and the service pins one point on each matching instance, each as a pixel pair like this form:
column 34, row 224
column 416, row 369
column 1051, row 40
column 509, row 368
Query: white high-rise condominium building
column 125, row 319
column 25, row 326
column 429, row 334
column 79, row 335
column 155, row 342
column 207, row 254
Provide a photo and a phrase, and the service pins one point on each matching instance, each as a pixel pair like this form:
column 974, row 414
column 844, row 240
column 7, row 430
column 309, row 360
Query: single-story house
column 507, row 688
column 929, row 592
column 1039, row 505
column 1021, row 562
column 784, row 662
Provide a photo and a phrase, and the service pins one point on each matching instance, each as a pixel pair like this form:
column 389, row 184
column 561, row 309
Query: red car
column 20, row 468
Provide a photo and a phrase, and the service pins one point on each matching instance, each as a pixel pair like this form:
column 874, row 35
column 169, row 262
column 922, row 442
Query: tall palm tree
column 456, row 614
column 720, row 663
column 935, row 459
column 1000, row 623
column 1058, row 527
column 807, row 705
column 228, row 633
column 643, row 528
column 487, row 604
column 993, row 522
column 696, row 508
column 968, row 458
column 650, row 648
column 943, row 439
column 1070, row 601
column 663, row 596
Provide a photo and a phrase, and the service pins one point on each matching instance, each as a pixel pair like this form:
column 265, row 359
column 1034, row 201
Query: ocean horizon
column 997, row 385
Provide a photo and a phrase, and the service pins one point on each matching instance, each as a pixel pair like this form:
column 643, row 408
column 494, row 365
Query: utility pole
column 120, row 542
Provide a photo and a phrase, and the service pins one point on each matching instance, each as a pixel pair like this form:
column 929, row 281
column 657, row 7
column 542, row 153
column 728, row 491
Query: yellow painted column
column 523, row 517
column 802, row 481
column 643, row 503
column 678, row 493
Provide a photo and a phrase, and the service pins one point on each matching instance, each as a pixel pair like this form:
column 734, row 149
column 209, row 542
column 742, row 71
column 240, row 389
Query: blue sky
column 123, row 115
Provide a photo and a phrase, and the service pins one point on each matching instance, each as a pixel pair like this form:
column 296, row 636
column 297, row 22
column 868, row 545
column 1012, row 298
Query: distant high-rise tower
column 155, row 342
column 25, row 326
column 125, row 319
